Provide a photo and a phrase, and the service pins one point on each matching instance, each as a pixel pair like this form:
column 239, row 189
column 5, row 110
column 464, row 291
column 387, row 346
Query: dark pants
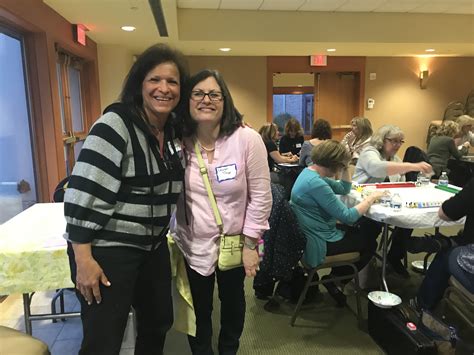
column 361, row 238
column 436, row 280
column 400, row 238
column 231, row 294
column 138, row 278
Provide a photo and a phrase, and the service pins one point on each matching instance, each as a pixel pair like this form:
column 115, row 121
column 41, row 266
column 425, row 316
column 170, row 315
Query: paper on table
column 54, row 242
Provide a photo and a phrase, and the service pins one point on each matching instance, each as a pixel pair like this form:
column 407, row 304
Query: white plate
column 418, row 265
column 384, row 299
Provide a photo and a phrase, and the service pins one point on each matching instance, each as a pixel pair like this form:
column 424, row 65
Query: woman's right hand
column 423, row 167
column 376, row 195
column 294, row 159
column 89, row 274
column 88, row 279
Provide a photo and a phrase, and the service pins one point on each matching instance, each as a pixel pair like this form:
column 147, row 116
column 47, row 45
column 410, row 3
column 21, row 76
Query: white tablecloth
column 407, row 217
column 33, row 252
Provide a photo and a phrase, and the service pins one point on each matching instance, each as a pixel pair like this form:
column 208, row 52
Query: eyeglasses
column 214, row 96
column 395, row 141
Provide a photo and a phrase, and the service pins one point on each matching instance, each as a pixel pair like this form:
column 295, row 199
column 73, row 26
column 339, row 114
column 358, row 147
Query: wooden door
column 337, row 100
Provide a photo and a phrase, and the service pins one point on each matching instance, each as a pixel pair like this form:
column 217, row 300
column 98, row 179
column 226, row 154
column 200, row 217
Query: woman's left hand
column 250, row 259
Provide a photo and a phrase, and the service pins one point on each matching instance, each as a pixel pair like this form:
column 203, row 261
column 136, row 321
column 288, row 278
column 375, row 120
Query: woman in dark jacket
column 122, row 192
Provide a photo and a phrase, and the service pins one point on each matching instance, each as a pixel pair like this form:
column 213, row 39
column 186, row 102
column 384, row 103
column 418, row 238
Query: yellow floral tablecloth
column 33, row 251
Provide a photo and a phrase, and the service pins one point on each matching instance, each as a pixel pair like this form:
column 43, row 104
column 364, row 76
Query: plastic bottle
column 419, row 179
column 443, row 179
column 396, row 202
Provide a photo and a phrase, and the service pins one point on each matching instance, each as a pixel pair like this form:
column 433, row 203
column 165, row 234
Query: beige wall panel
column 246, row 79
column 399, row 99
column 396, row 90
column 114, row 63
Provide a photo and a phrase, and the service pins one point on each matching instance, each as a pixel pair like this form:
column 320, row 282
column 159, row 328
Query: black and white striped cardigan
column 121, row 192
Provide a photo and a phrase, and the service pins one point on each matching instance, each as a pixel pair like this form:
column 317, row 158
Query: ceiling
column 283, row 27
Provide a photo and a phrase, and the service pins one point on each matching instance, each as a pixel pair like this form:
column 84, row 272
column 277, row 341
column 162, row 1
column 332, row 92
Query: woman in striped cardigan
column 121, row 194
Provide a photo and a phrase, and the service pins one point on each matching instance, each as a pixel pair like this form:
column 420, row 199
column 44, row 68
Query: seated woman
column 457, row 261
column 378, row 162
column 321, row 131
column 269, row 133
column 358, row 138
column 442, row 147
column 293, row 138
column 317, row 208
column 466, row 135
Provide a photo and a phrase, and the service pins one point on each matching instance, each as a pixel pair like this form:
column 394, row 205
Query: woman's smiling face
column 206, row 103
column 161, row 91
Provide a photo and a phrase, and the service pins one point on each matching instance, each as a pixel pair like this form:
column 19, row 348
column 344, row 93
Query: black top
column 293, row 145
column 122, row 191
column 271, row 147
column 463, row 205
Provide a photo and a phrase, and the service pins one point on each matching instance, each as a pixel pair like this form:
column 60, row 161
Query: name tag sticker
column 226, row 172
column 298, row 145
column 176, row 144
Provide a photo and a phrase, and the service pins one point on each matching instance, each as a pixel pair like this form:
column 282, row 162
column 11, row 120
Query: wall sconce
column 424, row 78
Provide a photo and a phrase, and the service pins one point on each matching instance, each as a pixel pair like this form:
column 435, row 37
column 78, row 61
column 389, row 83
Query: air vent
column 159, row 16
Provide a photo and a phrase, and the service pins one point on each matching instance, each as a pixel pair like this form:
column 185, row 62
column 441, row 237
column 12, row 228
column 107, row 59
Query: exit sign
column 79, row 32
column 318, row 60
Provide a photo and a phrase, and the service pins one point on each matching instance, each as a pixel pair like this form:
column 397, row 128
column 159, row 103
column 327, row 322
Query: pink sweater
column 240, row 181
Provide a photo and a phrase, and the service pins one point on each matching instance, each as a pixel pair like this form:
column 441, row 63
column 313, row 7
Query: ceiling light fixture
column 429, row 50
column 331, row 49
column 225, row 49
column 128, row 28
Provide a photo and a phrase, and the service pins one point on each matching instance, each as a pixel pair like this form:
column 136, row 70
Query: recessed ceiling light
column 429, row 50
column 225, row 49
column 128, row 28
column 300, row 86
column 331, row 49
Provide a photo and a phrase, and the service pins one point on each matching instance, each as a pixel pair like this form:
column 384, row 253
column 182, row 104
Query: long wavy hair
column 448, row 128
column 268, row 131
column 364, row 128
column 131, row 94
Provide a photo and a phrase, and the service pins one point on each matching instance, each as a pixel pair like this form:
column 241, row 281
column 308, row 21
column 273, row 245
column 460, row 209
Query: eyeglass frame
column 208, row 94
column 394, row 141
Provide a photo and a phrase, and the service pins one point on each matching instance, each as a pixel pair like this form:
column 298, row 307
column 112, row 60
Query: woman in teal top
column 317, row 208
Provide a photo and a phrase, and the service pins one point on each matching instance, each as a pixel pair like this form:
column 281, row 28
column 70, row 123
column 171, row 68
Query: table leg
column 384, row 254
column 27, row 312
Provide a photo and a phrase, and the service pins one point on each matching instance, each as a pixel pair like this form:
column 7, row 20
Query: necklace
column 205, row 148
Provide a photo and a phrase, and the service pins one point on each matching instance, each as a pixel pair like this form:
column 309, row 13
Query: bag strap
column 207, row 184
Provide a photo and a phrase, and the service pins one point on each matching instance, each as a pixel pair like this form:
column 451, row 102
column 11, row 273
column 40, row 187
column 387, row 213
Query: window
column 70, row 74
column 17, row 170
column 297, row 105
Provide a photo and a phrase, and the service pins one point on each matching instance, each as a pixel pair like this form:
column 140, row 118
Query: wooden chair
column 465, row 300
column 453, row 110
column 346, row 259
column 16, row 342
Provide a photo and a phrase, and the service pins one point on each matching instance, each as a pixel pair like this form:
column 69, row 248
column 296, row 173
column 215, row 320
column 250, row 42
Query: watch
column 250, row 244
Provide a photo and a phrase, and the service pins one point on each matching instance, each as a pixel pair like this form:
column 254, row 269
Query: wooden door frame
column 300, row 64
column 42, row 30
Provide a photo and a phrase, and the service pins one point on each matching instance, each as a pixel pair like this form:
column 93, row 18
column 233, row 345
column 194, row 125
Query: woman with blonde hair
column 293, row 138
column 442, row 147
column 465, row 123
column 269, row 133
column 358, row 138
